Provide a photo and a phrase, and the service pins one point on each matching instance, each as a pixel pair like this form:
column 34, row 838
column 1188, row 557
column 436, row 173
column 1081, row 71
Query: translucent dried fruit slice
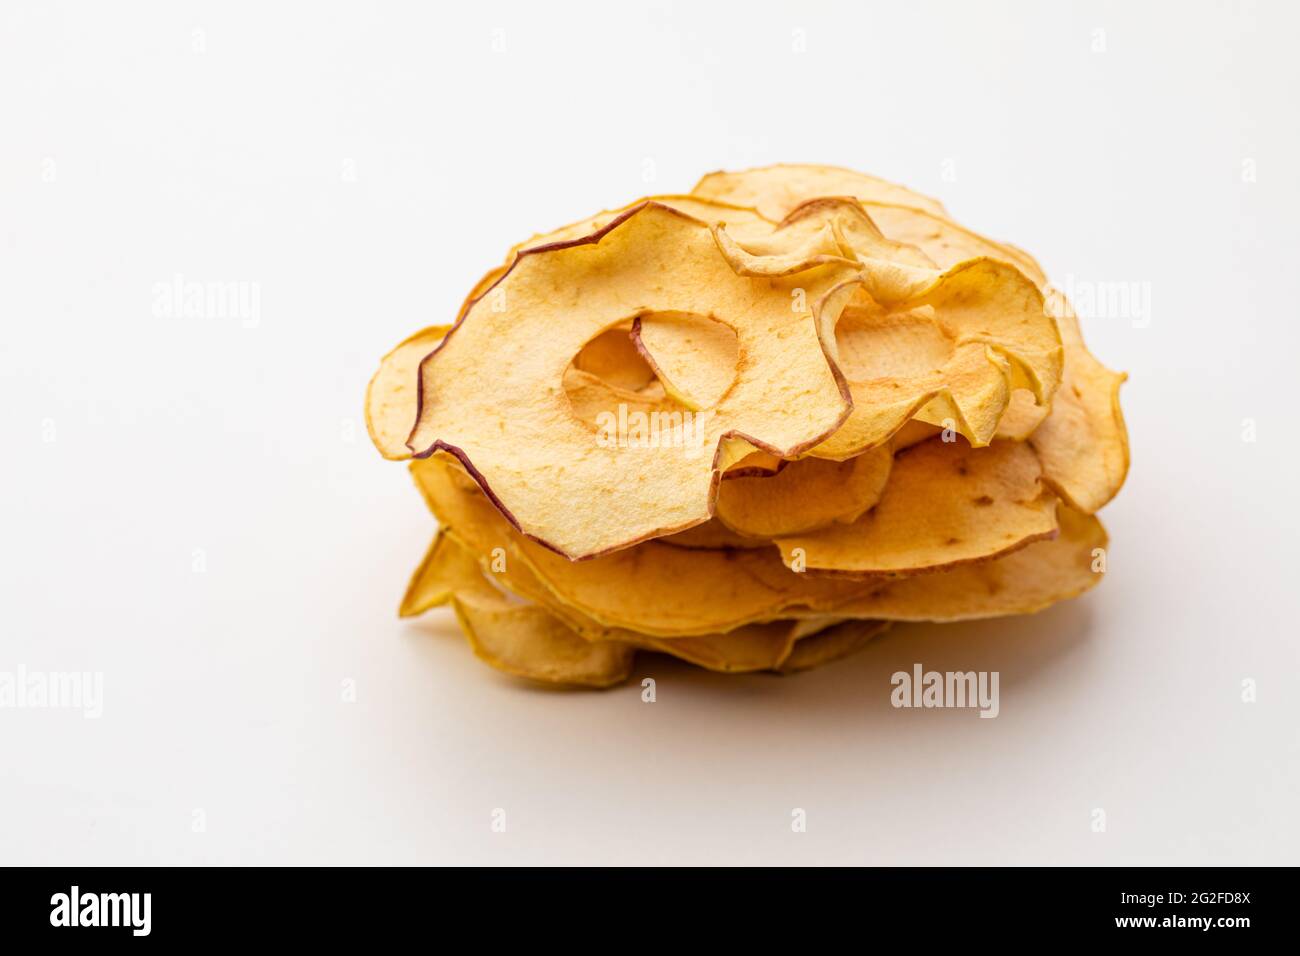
column 946, row 348
column 799, row 246
column 806, row 495
column 392, row 395
column 1083, row 442
column 519, row 438
column 1022, row 582
column 946, row 504
column 653, row 588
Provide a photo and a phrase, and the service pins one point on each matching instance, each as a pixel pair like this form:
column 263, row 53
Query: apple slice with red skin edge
column 520, row 441
column 393, row 393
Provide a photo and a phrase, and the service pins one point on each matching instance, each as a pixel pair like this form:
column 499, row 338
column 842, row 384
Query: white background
column 364, row 163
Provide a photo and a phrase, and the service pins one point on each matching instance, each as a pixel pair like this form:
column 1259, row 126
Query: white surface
column 222, row 690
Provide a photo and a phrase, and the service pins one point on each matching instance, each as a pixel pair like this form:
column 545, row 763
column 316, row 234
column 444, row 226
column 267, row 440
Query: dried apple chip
column 805, row 495
column 948, row 348
column 1082, row 439
column 946, row 242
column 443, row 571
column 910, row 222
column 519, row 438
column 856, row 233
column 701, row 207
column 1085, row 446
column 891, row 402
column 527, row 641
column 653, row 588
column 1022, row 582
column 518, row 638
column 1083, row 442
column 392, row 396
column 799, row 245
column 946, row 504
column 488, row 545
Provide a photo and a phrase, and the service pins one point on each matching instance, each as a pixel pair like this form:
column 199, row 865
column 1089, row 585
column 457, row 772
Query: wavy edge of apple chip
column 427, row 439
